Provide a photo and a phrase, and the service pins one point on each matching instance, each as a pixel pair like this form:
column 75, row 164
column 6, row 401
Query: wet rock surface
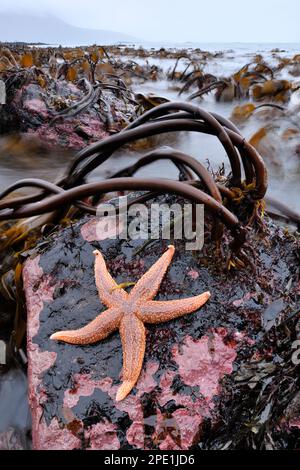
column 193, row 365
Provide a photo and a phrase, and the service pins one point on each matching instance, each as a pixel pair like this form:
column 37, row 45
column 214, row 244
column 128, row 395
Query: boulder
column 193, row 365
column 34, row 104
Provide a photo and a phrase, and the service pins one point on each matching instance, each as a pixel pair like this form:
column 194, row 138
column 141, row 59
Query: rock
column 32, row 104
column 177, row 402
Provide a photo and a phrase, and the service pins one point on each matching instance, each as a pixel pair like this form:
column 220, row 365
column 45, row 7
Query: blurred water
column 284, row 176
column 15, row 422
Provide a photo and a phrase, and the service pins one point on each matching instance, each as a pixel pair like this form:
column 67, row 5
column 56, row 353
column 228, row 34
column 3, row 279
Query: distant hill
column 15, row 27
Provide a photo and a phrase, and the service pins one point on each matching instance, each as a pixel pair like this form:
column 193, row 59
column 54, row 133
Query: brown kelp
column 168, row 117
column 257, row 81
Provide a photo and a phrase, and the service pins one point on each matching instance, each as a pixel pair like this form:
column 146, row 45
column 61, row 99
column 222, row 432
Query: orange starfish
column 128, row 313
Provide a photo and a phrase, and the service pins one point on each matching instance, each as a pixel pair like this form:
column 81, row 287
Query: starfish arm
column 147, row 287
column 133, row 337
column 100, row 328
column 108, row 290
column 161, row 311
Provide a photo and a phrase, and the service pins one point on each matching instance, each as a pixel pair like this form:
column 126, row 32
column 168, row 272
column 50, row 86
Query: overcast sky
column 177, row 20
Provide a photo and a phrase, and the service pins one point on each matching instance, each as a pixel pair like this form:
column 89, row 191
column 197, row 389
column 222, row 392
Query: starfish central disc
column 128, row 313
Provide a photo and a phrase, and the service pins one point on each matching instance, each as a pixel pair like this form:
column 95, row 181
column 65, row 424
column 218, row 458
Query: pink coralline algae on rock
column 73, row 134
column 39, row 361
column 204, row 362
column 83, row 386
column 42, row 112
column 193, row 274
column 36, row 106
column 103, row 436
column 55, row 437
column 58, row 135
column 98, row 229
column 201, row 365
column 244, row 300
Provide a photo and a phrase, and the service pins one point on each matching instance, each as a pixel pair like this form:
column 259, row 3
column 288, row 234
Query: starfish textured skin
column 127, row 312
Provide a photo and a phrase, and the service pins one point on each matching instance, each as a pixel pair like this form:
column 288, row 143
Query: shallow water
column 15, row 420
column 33, row 165
column 284, row 178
